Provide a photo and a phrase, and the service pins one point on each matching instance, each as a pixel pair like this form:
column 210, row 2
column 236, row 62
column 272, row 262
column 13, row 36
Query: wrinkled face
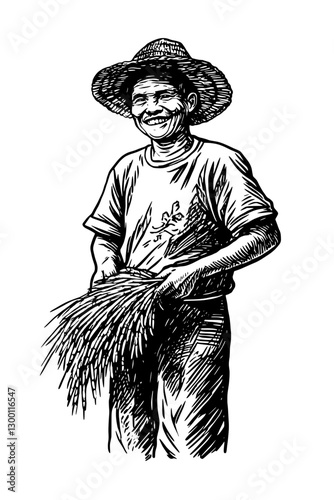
column 158, row 109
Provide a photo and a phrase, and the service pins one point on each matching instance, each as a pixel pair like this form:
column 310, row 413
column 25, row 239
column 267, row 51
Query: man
column 189, row 211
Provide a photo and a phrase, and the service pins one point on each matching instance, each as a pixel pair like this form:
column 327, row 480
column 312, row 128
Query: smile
column 155, row 121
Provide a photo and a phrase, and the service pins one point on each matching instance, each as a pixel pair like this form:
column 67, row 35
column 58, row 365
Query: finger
column 184, row 290
column 180, row 293
column 166, row 288
column 159, row 302
column 165, row 272
column 159, row 294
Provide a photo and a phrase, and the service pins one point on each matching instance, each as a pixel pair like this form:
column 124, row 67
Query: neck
column 172, row 147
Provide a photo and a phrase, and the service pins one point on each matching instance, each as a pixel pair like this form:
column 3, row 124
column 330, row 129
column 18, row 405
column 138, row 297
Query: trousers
column 176, row 403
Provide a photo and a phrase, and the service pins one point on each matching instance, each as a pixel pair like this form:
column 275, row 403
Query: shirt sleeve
column 107, row 217
column 239, row 198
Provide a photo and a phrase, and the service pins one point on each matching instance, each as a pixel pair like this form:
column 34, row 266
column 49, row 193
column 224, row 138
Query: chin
column 159, row 137
column 158, row 134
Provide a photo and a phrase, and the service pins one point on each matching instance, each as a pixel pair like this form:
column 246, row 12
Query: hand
column 101, row 275
column 179, row 281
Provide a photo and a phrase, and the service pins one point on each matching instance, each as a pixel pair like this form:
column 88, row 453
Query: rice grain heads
column 103, row 331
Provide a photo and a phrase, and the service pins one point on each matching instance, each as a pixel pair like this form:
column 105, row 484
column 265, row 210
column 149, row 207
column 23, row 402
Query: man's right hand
column 102, row 275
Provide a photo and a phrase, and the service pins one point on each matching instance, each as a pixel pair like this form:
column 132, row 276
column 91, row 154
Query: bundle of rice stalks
column 101, row 332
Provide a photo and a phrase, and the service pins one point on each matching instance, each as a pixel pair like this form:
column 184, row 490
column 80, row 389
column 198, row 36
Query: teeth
column 154, row 121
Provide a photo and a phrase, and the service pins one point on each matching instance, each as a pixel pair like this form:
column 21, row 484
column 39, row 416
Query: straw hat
column 211, row 84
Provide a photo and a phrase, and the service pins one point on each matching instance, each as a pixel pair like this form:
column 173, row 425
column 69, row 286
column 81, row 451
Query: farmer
column 189, row 211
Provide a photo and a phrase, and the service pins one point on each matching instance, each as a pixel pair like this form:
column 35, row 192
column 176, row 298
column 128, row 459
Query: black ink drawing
column 175, row 220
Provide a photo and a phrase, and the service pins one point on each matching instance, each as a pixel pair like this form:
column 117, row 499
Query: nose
column 152, row 105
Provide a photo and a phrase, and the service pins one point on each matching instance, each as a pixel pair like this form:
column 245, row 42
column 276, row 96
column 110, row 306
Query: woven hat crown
column 162, row 48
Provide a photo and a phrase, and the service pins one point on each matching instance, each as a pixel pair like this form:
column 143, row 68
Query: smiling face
column 158, row 108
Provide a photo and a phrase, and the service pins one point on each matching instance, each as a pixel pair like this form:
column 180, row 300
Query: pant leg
column 133, row 417
column 193, row 377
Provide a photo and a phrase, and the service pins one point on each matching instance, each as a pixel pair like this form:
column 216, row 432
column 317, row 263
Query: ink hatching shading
column 175, row 219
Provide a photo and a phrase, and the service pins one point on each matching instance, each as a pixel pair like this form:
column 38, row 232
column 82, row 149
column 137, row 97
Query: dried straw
column 102, row 331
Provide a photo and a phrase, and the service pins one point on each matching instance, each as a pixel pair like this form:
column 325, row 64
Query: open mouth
column 156, row 121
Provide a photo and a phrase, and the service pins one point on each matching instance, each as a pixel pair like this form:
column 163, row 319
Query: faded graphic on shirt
column 151, row 241
column 170, row 222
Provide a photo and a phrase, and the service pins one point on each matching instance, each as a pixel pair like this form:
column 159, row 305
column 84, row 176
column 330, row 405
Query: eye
column 166, row 95
column 138, row 100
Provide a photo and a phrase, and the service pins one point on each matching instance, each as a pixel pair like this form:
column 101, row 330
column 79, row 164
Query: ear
column 192, row 100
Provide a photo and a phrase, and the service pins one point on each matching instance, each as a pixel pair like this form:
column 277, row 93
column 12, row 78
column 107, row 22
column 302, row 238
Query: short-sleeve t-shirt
column 170, row 213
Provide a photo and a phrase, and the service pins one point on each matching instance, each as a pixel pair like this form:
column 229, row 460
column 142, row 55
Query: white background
column 278, row 58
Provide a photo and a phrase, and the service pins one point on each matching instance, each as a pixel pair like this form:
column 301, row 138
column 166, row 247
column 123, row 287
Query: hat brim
column 215, row 93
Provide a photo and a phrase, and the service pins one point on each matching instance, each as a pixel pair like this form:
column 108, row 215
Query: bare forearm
column 242, row 251
column 107, row 258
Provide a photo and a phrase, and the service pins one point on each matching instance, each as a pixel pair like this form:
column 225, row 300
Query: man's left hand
column 179, row 281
